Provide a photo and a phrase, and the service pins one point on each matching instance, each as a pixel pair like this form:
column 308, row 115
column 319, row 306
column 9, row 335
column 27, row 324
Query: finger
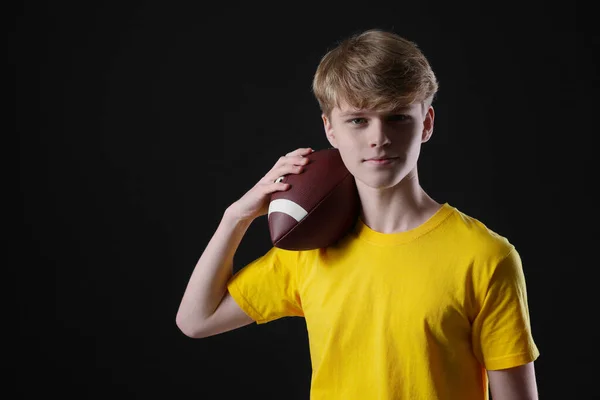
column 302, row 151
column 296, row 160
column 275, row 187
column 290, row 161
column 284, row 170
column 280, row 171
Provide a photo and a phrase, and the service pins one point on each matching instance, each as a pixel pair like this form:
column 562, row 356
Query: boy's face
column 362, row 135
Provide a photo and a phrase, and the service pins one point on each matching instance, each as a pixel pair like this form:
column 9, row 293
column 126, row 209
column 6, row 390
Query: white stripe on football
column 287, row 207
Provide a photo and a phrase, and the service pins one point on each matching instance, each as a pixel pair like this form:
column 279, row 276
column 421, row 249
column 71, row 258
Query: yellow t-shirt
column 410, row 315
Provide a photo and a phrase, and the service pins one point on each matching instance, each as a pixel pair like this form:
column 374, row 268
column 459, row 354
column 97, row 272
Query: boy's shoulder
column 478, row 235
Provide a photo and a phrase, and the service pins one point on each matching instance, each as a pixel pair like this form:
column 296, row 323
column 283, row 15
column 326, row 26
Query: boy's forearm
column 517, row 383
column 208, row 282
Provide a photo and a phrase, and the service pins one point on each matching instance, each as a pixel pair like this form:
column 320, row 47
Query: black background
column 140, row 122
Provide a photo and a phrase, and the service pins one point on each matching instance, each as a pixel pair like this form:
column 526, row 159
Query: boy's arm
column 516, row 383
column 207, row 308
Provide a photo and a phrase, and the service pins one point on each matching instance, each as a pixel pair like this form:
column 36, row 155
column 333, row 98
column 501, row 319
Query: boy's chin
column 378, row 183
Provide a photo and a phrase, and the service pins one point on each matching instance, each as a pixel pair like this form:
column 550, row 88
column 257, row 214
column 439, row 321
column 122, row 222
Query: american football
column 320, row 206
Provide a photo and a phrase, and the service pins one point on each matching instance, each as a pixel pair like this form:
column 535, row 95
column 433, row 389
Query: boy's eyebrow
column 351, row 113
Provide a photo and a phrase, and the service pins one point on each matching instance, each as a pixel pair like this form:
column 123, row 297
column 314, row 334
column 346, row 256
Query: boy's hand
column 256, row 201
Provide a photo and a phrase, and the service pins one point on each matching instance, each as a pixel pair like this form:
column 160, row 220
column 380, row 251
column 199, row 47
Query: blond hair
column 374, row 70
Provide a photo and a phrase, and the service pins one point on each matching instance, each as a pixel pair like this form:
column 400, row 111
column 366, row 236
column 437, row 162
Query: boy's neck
column 397, row 209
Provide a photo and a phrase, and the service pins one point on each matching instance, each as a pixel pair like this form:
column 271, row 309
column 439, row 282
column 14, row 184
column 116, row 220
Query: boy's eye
column 391, row 118
column 399, row 117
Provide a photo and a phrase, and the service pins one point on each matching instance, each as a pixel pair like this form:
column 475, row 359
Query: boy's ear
column 428, row 124
column 329, row 130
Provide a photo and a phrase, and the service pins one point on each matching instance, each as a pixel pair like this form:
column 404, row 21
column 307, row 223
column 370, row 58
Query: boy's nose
column 378, row 136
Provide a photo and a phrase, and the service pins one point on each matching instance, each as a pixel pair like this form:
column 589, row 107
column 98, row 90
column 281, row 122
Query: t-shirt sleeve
column 502, row 336
column 267, row 288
